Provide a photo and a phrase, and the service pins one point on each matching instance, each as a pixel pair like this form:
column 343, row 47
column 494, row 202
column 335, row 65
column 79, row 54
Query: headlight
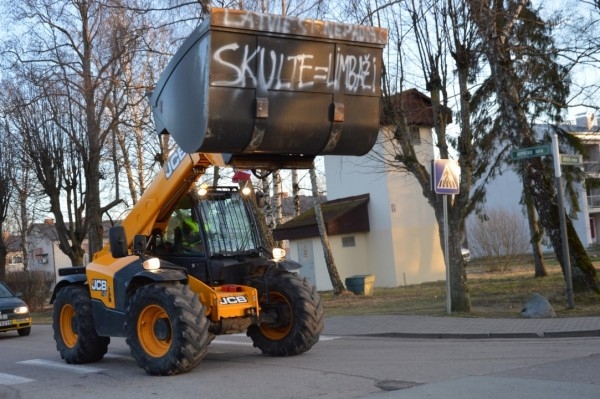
column 22, row 310
column 203, row 190
column 152, row 264
column 278, row 253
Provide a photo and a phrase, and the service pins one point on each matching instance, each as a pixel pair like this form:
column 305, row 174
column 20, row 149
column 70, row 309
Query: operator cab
column 208, row 231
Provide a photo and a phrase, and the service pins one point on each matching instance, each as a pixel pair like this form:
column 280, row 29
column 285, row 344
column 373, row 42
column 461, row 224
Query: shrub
column 500, row 236
column 34, row 286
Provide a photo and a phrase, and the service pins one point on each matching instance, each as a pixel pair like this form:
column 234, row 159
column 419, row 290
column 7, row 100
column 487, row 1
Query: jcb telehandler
column 245, row 90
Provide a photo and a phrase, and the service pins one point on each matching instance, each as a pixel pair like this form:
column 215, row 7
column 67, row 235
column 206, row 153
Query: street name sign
column 530, row 152
column 570, row 159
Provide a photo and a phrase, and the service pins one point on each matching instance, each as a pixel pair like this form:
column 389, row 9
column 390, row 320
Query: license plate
column 4, row 323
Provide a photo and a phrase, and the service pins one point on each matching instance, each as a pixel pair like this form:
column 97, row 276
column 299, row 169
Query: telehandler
column 249, row 91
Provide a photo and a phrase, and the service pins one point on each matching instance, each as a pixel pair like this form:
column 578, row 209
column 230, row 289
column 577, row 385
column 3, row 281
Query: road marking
column 10, row 379
column 327, row 338
column 116, row 356
column 222, row 341
column 59, row 365
column 218, row 341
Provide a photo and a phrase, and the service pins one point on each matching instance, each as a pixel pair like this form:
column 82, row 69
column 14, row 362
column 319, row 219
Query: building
column 43, row 251
column 587, row 128
column 14, row 256
column 504, row 192
column 401, row 245
column 347, row 225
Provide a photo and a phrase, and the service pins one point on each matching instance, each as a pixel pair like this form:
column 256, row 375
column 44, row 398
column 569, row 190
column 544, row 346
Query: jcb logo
column 174, row 162
column 230, row 300
column 98, row 285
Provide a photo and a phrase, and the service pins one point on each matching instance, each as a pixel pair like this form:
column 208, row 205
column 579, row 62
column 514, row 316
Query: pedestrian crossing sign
column 446, row 176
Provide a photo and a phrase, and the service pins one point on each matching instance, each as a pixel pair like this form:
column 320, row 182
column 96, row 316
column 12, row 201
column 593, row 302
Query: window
column 348, row 241
column 415, row 135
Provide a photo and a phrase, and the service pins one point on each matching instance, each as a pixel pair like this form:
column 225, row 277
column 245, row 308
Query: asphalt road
column 337, row 367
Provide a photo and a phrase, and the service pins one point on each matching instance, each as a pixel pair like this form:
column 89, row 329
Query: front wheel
column 73, row 324
column 23, row 332
column 293, row 316
column 167, row 330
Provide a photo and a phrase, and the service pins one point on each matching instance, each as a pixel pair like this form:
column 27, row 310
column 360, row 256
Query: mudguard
column 67, row 280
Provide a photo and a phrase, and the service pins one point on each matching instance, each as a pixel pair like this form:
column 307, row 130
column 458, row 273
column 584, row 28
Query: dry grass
column 493, row 294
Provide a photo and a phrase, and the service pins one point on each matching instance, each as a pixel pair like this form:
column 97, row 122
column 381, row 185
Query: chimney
column 49, row 221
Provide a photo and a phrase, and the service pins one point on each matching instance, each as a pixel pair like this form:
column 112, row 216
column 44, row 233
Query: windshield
column 5, row 292
column 227, row 223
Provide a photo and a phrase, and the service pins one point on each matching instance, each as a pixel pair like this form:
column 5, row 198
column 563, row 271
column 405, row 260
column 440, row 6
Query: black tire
column 166, row 327
column 73, row 324
column 23, row 332
column 299, row 312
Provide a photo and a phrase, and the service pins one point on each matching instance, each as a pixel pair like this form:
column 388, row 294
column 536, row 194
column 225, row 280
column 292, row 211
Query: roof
column 417, row 108
column 13, row 243
column 342, row 216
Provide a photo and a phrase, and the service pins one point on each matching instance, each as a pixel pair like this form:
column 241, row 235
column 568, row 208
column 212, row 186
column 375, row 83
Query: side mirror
column 117, row 240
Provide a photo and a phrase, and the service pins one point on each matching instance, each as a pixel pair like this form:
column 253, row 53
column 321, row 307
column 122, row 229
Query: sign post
column 564, row 159
column 563, row 222
column 446, row 180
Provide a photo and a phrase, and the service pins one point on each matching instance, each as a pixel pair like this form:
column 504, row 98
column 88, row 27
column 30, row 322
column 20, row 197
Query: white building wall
column 504, row 192
column 54, row 260
column 349, row 261
column 403, row 245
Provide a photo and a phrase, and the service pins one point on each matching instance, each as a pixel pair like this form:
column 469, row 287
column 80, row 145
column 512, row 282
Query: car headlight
column 21, row 310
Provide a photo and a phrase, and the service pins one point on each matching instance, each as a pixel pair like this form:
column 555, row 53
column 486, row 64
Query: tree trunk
column 3, row 253
column 278, row 198
column 296, row 192
column 459, row 289
column 535, row 233
column 338, row 286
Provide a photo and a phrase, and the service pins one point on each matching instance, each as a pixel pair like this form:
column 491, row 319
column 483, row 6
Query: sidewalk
column 406, row 326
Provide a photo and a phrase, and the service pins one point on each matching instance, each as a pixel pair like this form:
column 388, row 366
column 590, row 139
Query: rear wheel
column 293, row 316
column 73, row 325
column 167, row 330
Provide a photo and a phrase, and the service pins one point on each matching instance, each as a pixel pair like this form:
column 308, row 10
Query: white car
column 466, row 254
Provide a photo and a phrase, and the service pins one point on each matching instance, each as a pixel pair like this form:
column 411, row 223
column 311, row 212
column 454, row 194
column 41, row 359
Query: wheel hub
column 162, row 329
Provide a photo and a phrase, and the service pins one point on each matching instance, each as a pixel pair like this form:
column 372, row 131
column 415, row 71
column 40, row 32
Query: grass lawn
column 493, row 294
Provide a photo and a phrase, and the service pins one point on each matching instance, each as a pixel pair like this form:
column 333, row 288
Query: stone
column 538, row 307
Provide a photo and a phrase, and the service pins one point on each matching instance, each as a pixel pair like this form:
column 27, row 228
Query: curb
column 548, row 334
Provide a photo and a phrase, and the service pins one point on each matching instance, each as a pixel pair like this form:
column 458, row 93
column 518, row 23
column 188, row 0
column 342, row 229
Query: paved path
column 461, row 327
column 477, row 387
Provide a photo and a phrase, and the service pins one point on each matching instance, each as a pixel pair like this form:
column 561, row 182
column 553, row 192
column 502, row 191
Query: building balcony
column 592, row 167
column 593, row 203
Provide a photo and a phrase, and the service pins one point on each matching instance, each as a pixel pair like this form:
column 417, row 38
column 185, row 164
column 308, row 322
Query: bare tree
column 499, row 235
column 56, row 165
column 438, row 43
column 90, row 60
column 6, row 189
